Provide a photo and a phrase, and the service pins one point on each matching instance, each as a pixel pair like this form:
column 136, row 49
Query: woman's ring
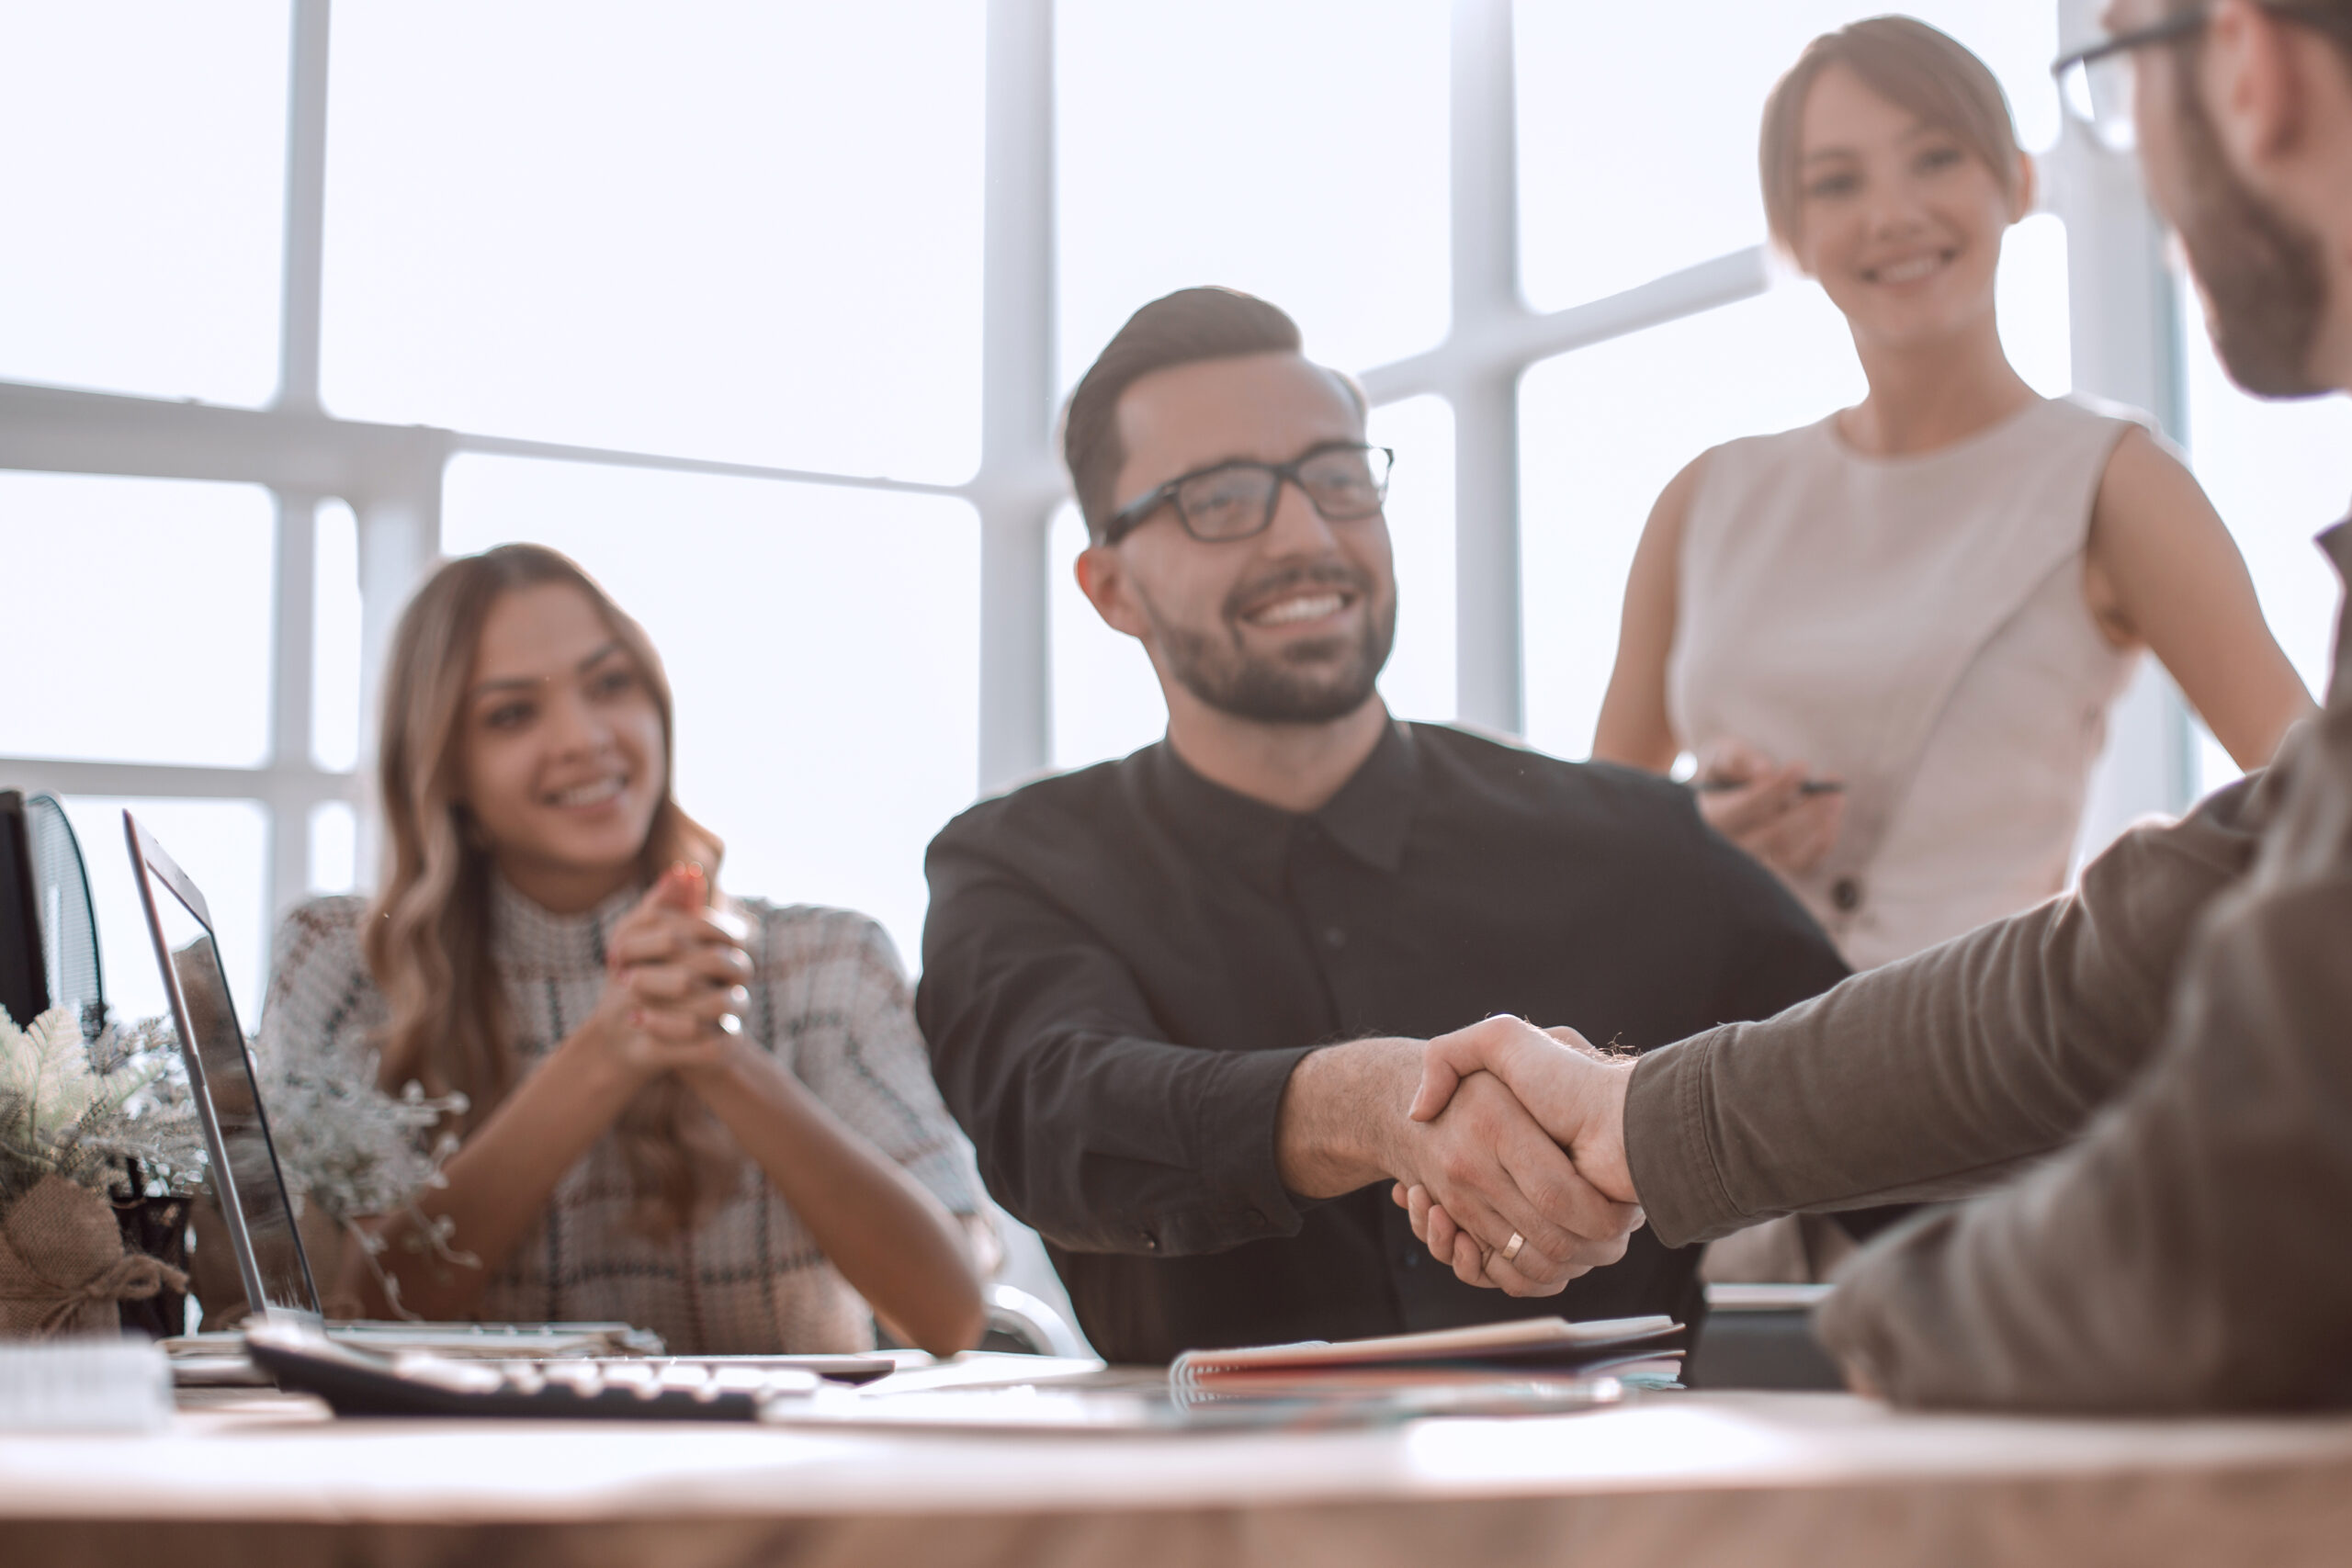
column 1511, row 1247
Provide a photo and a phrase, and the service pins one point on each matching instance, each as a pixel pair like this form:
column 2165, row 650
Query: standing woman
column 1891, row 638
column 711, row 1118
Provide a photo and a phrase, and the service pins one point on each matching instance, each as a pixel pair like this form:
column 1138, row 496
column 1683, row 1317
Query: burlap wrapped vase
column 63, row 1267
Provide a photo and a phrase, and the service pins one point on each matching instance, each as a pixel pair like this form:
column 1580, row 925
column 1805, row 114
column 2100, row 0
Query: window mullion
column 306, row 177
column 1484, row 207
column 399, row 541
column 293, row 661
column 1017, row 488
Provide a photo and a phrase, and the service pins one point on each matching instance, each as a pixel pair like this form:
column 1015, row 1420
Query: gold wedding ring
column 1511, row 1247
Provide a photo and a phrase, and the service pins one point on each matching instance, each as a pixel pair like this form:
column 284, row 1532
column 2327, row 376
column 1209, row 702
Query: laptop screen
column 245, row 1176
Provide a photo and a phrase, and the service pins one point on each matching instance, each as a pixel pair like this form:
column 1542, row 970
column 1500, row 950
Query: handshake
column 1509, row 1156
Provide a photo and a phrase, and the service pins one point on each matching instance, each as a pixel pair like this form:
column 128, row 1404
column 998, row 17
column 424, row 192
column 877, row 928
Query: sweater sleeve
column 847, row 1010
column 2187, row 1252
column 1935, row 1076
column 322, row 1005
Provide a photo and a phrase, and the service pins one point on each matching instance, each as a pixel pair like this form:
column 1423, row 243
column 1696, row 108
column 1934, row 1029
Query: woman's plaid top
column 828, row 999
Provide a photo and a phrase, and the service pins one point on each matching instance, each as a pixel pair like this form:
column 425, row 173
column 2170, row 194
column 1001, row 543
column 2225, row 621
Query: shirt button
column 1847, row 893
column 1334, row 938
column 1150, row 1242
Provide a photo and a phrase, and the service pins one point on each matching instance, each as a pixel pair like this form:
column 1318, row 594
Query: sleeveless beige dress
column 1914, row 625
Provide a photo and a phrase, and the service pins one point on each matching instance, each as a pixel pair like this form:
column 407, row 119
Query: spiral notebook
column 1535, row 1347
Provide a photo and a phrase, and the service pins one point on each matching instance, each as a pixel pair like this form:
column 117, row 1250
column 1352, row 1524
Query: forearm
column 1935, row 1076
column 497, row 1184
column 1110, row 1143
column 1338, row 1109
column 1088, row 1123
column 892, row 1240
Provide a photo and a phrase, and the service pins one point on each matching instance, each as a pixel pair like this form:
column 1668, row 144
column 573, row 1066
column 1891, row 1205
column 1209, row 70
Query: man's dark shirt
column 1123, row 964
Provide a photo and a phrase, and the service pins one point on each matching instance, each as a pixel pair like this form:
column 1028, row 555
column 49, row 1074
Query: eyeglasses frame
column 1137, row 513
column 2181, row 24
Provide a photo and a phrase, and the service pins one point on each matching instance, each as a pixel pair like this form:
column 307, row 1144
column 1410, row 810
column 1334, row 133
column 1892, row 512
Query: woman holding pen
column 1892, row 638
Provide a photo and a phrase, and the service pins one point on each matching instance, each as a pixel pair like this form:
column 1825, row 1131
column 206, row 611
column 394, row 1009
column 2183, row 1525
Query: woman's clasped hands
column 677, row 978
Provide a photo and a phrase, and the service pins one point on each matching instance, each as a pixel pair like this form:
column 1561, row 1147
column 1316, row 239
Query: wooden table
column 1757, row 1479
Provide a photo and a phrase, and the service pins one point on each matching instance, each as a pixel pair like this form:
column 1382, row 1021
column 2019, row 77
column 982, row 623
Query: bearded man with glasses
column 1165, row 995
column 2145, row 1084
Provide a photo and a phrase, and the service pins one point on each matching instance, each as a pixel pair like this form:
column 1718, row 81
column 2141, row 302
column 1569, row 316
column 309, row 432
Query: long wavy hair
column 428, row 931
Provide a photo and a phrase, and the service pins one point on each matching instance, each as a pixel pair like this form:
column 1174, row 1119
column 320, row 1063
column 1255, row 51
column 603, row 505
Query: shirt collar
column 1374, row 810
column 1369, row 818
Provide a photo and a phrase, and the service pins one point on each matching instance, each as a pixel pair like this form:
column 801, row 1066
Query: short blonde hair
column 1908, row 63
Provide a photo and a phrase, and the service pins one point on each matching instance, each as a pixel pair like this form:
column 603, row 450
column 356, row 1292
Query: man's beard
column 2263, row 275
column 1288, row 688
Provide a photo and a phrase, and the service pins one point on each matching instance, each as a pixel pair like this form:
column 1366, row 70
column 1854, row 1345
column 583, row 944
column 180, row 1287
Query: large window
column 150, row 630
column 725, row 231
column 139, row 613
column 764, row 312
column 1298, row 151
column 143, row 196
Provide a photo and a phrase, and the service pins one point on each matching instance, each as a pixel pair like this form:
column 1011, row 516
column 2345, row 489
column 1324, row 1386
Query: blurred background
column 764, row 312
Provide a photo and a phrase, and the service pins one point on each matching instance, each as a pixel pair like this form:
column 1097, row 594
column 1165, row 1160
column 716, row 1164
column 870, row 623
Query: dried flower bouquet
column 79, row 1108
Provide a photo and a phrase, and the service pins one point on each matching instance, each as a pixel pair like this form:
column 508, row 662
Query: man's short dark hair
column 1183, row 328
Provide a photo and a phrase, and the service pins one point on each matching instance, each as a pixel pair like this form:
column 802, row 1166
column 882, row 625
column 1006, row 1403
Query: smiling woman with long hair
column 709, row 1117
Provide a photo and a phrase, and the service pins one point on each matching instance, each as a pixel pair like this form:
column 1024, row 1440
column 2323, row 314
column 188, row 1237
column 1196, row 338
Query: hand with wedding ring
column 1575, row 1092
column 1533, row 1223
column 1343, row 1124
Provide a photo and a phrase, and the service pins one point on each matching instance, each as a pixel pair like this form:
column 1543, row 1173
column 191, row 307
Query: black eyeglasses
column 1346, row 481
column 2095, row 84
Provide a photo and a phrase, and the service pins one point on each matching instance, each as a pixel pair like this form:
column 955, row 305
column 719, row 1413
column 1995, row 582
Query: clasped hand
column 675, row 980
column 1576, row 1094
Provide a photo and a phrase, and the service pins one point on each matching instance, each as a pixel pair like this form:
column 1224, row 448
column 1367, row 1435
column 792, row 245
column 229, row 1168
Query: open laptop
column 256, row 1205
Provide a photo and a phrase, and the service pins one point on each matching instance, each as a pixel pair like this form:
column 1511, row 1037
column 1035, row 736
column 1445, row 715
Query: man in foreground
column 2157, row 1070
column 1134, row 974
